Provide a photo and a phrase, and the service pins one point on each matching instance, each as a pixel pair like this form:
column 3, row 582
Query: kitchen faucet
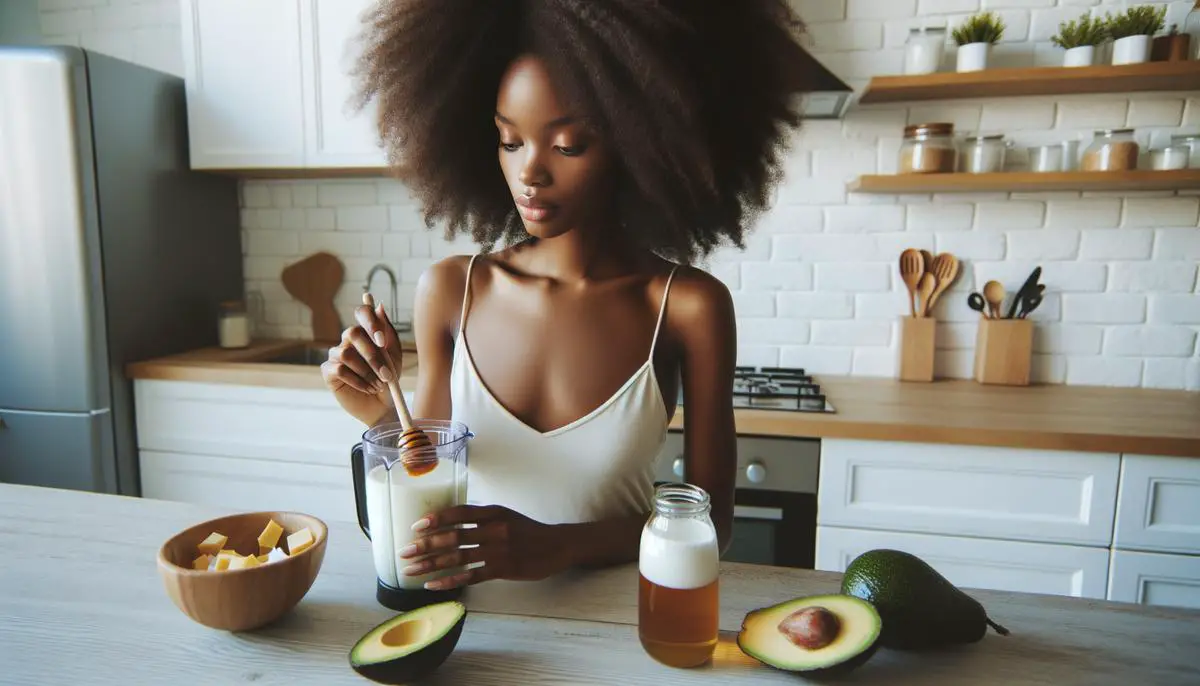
column 400, row 327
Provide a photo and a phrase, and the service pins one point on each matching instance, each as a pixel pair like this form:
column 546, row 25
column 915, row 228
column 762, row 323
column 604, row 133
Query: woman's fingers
column 348, row 357
column 361, row 342
column 471, row 576
column 390, row 338
column 450, row 560
column 449, row 540
column 369, row 320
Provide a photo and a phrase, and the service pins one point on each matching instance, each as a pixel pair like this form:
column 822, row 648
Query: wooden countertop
column 82, row 603
column 963, row 412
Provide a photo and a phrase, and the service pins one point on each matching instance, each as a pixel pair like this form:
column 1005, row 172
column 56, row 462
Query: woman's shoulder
column 699, row 306
column 441, row 288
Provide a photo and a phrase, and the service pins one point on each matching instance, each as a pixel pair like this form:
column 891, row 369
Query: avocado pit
column 812, row 628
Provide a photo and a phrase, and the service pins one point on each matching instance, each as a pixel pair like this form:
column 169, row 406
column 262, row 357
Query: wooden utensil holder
column 1004, row 352
column 917, row 346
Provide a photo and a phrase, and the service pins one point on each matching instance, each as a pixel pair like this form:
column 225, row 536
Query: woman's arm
column 436, row 311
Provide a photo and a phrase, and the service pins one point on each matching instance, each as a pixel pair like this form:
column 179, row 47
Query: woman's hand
column 511, row 546
column 356, row 370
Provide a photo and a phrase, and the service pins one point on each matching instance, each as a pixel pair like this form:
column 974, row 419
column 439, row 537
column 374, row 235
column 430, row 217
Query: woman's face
column 558, row 170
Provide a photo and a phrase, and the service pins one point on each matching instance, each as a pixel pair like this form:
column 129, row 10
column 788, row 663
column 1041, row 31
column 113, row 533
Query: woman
column 632, row 136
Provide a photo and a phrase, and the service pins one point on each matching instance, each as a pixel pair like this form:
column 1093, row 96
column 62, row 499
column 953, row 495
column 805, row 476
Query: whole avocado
column 920, row 608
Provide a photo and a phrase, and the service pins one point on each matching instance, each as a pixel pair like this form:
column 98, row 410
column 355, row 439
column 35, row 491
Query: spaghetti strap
column 462, row 316
column 662, row 309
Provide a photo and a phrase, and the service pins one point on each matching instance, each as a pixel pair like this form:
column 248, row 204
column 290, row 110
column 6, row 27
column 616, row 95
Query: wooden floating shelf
column 293, row 173
column 1027, row 182
column 998, row 83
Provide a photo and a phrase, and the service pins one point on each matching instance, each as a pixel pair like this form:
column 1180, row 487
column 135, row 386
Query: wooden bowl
column 241, row 599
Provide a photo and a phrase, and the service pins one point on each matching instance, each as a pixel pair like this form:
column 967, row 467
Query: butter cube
column 276, row 555
column 249, row 561
column 263, row 558
column 269, row 537
column 300, row 541
column 201, row 562
column 213, row 543
column 222, row 563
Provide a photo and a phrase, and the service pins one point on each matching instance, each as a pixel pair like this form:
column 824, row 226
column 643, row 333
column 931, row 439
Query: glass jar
column 1191, row 141
column 983, row 154
column 1191, row 26
column 1169, row 158
column 1111, row 150
column 1046, row 158
column 678, row 568
column 928, row 149
column 923, row 50
column 233, row 325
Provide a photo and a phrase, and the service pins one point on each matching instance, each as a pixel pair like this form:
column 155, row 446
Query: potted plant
column 975, row 38
column 1079, row 38
column 1132, row 30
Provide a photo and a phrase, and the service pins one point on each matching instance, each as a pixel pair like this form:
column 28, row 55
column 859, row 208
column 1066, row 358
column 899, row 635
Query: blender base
column 403, row 600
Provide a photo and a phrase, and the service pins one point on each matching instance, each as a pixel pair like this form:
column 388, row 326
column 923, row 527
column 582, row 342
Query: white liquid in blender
column 395, row 501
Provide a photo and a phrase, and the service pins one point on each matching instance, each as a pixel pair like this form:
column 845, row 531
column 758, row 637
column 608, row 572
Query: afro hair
column 695, row 96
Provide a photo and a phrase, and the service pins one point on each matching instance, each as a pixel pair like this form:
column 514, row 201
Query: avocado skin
column 745, row 640
column 921, row 609
column 416, row 665
column 832, row 670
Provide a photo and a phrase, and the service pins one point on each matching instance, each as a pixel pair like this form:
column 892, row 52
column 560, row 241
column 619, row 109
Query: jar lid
column 1186, row 137
column 993, row 137
column 1112, row 132
column 927, row 29
column 934, row 129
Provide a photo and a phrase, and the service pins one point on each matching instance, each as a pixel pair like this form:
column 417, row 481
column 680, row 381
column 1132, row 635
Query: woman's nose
column 533, row 172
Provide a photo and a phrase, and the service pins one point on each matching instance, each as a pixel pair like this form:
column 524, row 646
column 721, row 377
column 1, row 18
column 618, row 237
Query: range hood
column 828, row 96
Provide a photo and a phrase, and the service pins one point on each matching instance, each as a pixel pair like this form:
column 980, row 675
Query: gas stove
column 787, row 389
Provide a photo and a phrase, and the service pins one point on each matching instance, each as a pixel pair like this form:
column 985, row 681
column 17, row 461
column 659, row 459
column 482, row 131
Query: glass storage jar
column 1191, row 141
column 928, row 149
column 233, row 325
column 1111, row 150
column 983, row 154
column 1169, row 157
column 923, row 50
column 678, row 585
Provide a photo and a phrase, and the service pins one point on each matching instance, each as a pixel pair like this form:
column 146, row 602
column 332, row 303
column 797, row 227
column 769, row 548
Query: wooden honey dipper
column 416, row 450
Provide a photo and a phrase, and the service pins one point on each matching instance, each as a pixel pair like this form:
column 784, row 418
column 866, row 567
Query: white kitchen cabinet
column 1016, row 494
column 1158, row 509
column 336, row 135
column 244, row 83
column 269, row 85
column 1155, row 579
column 978, row 563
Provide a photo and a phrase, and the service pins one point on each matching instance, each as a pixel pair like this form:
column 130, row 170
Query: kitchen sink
column 309, row 355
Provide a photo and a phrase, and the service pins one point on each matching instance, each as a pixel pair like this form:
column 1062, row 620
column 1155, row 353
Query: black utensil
column 1028, row 305
column 977, row 303
column 1026, row 290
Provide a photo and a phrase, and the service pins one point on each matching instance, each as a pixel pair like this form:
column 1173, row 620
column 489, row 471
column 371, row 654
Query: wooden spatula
column 912, row 266
column 315, row 281
column 945, row 268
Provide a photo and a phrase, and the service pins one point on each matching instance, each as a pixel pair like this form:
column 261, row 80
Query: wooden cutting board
column 315, row 281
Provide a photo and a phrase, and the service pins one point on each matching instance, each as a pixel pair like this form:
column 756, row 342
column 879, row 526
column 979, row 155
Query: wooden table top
column 81, row 602
column 1054, row 417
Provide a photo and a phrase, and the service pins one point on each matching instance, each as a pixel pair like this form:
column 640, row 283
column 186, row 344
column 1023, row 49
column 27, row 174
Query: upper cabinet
column 269, row 85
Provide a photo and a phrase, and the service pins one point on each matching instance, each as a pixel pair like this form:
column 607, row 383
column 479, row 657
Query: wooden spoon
column 315, row 281
column 927, row 261
column 925, row 289
column 416, row 450
column 994, row 293
column 912, row 266
column 945, row 268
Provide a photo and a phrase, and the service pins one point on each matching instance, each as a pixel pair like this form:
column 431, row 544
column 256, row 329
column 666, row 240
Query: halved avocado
column 410, row 645
column 825, row 633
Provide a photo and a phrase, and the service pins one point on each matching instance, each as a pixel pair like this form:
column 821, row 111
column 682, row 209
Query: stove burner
column 778, row 388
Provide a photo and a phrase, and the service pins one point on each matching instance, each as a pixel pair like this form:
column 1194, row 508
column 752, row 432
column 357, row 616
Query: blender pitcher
column 390, row 498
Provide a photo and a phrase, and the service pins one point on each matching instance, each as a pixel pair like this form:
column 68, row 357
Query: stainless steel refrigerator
column 111, row 251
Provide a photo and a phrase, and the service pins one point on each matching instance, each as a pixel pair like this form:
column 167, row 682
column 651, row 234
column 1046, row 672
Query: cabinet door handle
column 2, row 424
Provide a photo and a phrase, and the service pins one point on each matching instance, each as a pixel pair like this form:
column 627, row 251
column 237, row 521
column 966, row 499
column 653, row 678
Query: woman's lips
column 535, row 211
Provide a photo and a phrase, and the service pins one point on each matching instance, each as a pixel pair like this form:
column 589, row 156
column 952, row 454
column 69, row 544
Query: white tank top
column 596, row 467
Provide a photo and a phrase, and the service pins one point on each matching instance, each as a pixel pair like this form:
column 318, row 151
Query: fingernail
column 379, row 339
column 415, row 569
column 433, row 585
column 385, row 374
column 408, row 551
column 421, row 524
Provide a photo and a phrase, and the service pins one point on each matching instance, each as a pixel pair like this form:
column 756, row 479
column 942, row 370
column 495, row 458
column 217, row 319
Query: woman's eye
column 510, row 147
column 571, row 151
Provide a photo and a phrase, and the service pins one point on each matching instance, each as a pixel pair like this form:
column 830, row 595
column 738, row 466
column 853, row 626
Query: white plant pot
column 1082, row 56
column 973, row 56
column 1131, row 50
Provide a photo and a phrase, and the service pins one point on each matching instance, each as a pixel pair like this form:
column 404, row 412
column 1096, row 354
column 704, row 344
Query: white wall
column 817, row 286
column 19, row 23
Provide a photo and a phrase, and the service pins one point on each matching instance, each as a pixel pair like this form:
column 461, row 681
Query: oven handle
column 762, row 513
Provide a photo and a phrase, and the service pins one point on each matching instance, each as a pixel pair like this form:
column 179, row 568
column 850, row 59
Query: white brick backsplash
column 265, row 268
column 927, row 7
column 1177, row 244
column 846, row 35
column 1005, row 116
column 1061, row 244
column 821, row 247
column 773, row 330
column 278, row 243
column 1149, row 341
column 877, row 362
column 845, row 163
column 964, row 117
column 954, row 364
column 888, row 246
column 1045, row 21
column 1091, row 114
column 1104, row 371
column 972, row 245
column 1017, row 24
column 69, row 21
column 1165, row 373
column 304, row 196
column 769, row 277
column 880, row 9
column 1175, row 309
column 1068, row 339
column 1010, row 215
column 1192, row 375
column 348, row 244
column 1126, row 244
column 814, row 191
column 393, row 192
column 863, row 64
column 753, row 304
column 1074, row 277
column 791, row 219
column 1048, row 369
column 939, row 217
column 320, row 219
column 368, row 218
column 405, row 218
column 293, row 218
column 396, row 246
column 728, row 273
column 1109, row 308
column 340, row 194
column 1153, row 277
column 1097, row 213
column 281, row 196
column 889, row 306
column 283, row 313
column 820, row 10
column 256, row 195
column 1191, row 113
column 1155, row 113
column 262, row 219
column 1027, row 4
column 853, row 277
column 1161, row 212
column 850, row 333
column 758, row 355
column 870, row 125
column 864, row 218
column 816, row 305
column 818, row 359
column 951, row 336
